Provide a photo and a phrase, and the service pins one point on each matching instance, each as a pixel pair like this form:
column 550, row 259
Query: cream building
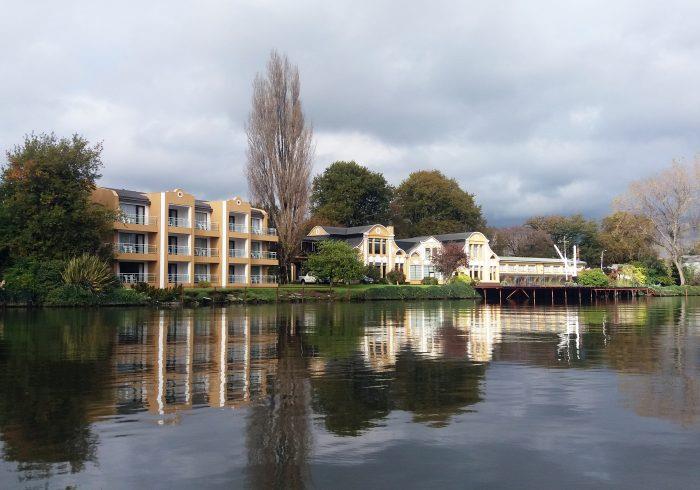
column 378, row 247
column 170, row 238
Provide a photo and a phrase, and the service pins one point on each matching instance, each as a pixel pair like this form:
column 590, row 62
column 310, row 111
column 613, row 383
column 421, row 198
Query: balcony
column 236, row 279
column 137, row 219
column 198, row 278
column 238, row 253
column 263, row 279
column 264, row 231
column 238, row 228
column 206, row 226
column 178, row 278
column 205, row 252
column 134, row 248
column 262, row 254
column 178, row 222
column 178, row 250
column 135, row 278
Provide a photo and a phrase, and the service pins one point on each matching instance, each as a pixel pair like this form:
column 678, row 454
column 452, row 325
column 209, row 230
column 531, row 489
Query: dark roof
column 128, row 196
column 343, row 231
column 353, row 241
column 204, row 205
column 447, row 237
column 405, row 245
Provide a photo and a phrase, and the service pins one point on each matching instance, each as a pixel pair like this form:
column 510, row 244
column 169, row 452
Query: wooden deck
column 499, row 294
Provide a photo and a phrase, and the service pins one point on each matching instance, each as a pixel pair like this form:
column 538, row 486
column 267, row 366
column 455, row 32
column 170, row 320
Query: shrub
column 30, row 280
column 71, row 295
column 593, row 277
column 126, row 296
column 431, row 281
column 90, row 272
column 446, row 291
column 631, row 275
column 396, row 277
column 204, row 284
column 463, row 279
column 372, row 272
column 160, row 295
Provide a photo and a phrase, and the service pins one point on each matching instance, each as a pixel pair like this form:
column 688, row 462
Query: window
column 416, row 273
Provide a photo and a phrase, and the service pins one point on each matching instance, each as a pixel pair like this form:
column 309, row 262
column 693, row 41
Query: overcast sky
column 536, row 107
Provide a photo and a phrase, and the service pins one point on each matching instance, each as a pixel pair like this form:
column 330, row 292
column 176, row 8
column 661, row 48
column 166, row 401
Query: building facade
column 170, row 238
column 378, row 247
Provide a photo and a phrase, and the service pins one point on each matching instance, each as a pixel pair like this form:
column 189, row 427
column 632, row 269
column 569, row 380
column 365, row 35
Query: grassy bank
column 295, row 293
column 676, row 290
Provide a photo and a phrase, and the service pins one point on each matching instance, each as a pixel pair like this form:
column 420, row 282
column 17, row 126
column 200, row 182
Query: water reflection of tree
column 353, row 397
column 54, row 372
column 658, row 363
column 278, row 435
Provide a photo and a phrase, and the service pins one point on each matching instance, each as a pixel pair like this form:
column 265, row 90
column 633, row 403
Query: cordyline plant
column 90, row 272
column 449, row 258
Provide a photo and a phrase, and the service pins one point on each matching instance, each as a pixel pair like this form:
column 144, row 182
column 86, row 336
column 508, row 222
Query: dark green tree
column 336, row 261
column 428, row 203
column 46, row 210
column 572, row 230
column 349, row 194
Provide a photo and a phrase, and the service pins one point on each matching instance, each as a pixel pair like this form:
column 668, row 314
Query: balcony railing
column 236, row 252
column 264, row 231
column 137, row 219
column 136, row 277
column 263, row 279
column 238, row 228
column 179, row 222
column 263, row 254
column 205, row 252
column 205, row 278
column 178, row 250
column 206, row 226
column 178, row 278
column 236, row 279
column 134, row 248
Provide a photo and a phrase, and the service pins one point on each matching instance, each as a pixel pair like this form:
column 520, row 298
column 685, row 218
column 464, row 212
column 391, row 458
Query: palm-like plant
column 89, row 271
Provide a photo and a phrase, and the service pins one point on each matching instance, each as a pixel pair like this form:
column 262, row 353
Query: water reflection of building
column 479, row 331
column 181, row 359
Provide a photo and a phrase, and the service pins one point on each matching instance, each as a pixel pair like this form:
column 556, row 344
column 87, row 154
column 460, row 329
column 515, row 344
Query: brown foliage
column 280, row 152
column 449, row 258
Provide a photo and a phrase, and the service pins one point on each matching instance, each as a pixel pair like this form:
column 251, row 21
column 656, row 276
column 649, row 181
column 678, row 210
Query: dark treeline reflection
column 344, row 368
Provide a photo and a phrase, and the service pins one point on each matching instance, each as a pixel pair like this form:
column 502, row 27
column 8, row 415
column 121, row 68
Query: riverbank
column 297, row 293
column 283, row 294
column 676, row 290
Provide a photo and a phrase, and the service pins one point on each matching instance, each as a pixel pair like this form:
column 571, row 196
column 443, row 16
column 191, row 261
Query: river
column 371, row 395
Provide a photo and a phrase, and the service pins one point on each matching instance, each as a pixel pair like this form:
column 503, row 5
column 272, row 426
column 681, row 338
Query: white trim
column 224, row 244
column 162, row 240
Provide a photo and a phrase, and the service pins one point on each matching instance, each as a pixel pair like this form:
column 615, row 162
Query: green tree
column 574, row 230
column 348, row 194
column 335, row 260
column 428, row 203
column 46, row 210
column 627, row 237
column 593, row 277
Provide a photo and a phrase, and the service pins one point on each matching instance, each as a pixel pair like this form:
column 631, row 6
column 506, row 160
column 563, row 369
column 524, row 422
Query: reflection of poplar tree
column 278, row 433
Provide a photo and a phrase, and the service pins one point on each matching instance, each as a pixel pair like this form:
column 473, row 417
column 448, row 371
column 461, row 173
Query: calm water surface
column 376, row 395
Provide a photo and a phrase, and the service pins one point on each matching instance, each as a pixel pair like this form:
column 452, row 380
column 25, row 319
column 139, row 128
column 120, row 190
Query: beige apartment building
column 171, row 238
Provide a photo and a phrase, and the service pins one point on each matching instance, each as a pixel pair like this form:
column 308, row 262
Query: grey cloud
column 536, row 107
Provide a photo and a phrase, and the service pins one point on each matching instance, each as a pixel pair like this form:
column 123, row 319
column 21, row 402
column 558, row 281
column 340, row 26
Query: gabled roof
column 353, row 241
column 344, row 231
column 128, row 196
column 447, row 237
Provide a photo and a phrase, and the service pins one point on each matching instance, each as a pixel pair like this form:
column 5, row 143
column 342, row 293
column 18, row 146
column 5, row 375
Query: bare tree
column 670, row 201
column 448, row 258
column 523, row 241
column 280, row 153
